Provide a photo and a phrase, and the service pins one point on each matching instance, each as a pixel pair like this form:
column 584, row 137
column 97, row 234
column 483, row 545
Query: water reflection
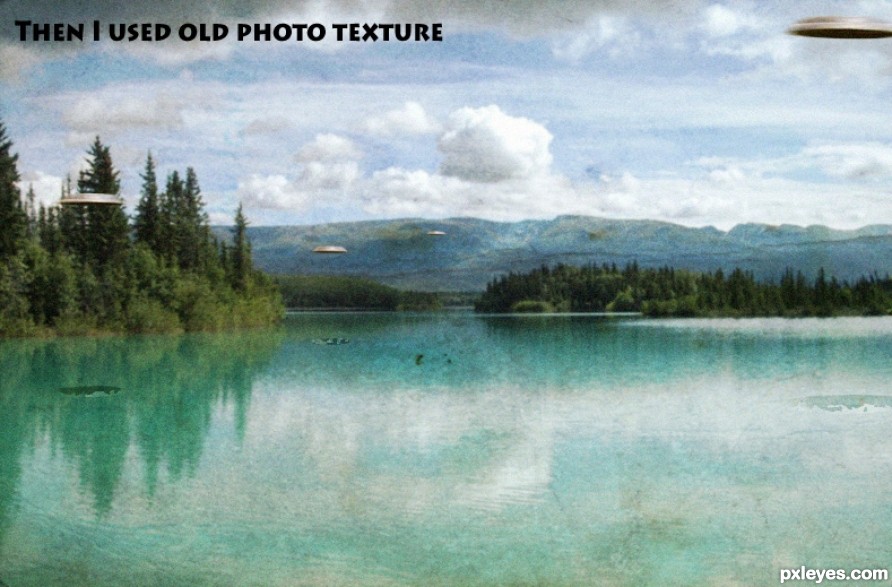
column 172, row 386
column 445, row 449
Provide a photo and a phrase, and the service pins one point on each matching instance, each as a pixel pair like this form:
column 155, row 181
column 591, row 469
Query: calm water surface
column 449, row 449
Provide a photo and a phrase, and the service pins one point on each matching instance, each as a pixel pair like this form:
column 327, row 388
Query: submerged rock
column 331, row 341
column 90, row 390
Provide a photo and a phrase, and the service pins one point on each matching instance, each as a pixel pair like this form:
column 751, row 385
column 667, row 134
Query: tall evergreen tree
column 147, row 224
column 30, row 207
column 48, row 232
column 171, row 204
column 72, row 223
column 13, row 220
column 108, row 228
column 240, row 255
column 193, row 228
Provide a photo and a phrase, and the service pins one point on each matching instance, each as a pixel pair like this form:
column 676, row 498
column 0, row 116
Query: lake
column 449, row 449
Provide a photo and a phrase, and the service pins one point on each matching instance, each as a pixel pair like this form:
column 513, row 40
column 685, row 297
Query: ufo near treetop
column 91, row 200
column 329, row 249
column 435, row 233
column 842, row 27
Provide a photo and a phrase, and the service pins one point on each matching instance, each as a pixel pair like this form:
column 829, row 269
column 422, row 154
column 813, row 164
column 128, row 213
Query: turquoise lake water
column 449, row 449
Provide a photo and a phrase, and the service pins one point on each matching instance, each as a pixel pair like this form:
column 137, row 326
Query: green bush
column 147, row 315
column 532, row 307
column 73, row 322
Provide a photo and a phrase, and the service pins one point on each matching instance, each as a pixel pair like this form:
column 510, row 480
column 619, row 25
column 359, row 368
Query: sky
column 692, row 112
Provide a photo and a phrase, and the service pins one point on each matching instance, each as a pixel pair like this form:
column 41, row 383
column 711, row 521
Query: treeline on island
column 329, row 292
column 673, row 292
column 83, row 269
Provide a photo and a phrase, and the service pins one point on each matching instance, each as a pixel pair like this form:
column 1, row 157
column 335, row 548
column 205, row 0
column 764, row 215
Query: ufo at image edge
column 841, row 27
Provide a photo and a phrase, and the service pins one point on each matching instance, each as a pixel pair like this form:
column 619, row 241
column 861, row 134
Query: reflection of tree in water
column 95, row 435
column 176, row 401
column 170, row 387
column 13, row 432
column 17, row 422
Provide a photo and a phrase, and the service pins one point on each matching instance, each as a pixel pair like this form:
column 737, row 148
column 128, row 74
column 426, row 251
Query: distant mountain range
column 473, row 251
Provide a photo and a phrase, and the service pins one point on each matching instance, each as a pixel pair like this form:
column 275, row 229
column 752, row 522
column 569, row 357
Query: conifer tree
column 30, row 207
column 72, row 223
column 147, row 224
column 240, row 254
column 108, row 228
column 13, row 220
column 48, row 233
column 171, row 203
column 193, row 225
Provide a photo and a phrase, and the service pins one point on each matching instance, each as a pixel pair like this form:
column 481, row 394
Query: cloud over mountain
column 487, row 145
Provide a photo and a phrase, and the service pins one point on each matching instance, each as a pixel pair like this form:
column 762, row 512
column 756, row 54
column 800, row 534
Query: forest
column 672, row 292
column 84, row 269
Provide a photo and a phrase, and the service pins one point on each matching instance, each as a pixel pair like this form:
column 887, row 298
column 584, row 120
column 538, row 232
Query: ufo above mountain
column 329, row 249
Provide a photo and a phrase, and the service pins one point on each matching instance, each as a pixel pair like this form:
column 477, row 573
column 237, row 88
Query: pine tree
column 13, row 220
column 240, row 254
column 48, row 233
column 30, row 207
column 72, row 224
column 147, row 224
column 171, row 204
column 108, row 228
column 193, row 226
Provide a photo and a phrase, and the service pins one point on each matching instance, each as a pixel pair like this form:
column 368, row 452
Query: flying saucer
column 329, row 249
column 436, row 233
column 91, row 200
column 842, row 27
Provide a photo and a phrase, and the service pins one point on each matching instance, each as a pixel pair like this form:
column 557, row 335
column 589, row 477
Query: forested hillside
column 674, row 292
column 83, row 269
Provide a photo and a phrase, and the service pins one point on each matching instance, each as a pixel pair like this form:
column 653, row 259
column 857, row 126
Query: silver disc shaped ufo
column 842, row 27
column 91, row 200
column 329, row 249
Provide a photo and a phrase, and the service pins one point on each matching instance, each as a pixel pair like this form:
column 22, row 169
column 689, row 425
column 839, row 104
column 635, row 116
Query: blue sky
column 699, row 113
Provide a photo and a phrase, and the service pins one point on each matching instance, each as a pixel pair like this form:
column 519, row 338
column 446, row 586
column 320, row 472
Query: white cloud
column 330, row 162
column 15, row 60
column 329, row 147
column 487, row 145
column 721, row 21
column 338, row 175
column 267, row 125
column 853, row 161
column 328, row 167
column 47, row 188
column 271, row 192
column 400, row 192
column 411, row 119
column 92, row 114
column 849, row 161
column 614, row 32
column 723, row 200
